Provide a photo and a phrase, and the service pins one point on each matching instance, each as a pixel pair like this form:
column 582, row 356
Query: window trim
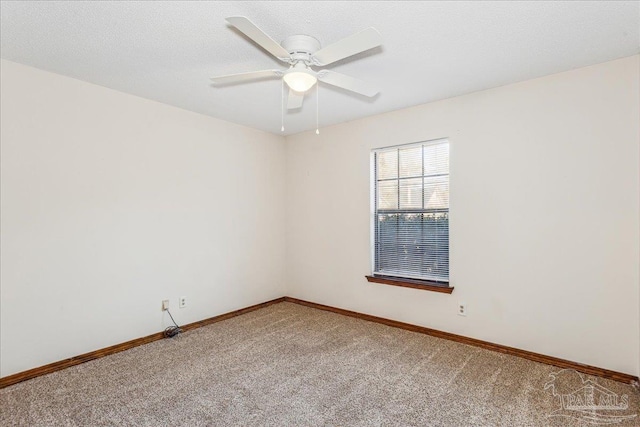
column 403, row 281
column 425, row 285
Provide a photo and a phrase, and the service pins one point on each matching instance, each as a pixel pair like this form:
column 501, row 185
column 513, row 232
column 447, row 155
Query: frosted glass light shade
column 300, row 80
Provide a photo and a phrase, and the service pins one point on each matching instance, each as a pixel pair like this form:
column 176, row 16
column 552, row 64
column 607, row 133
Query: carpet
column 290, row 365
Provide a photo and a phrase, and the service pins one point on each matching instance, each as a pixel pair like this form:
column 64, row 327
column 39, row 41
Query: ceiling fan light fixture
column 301, row 52
column 300, row 80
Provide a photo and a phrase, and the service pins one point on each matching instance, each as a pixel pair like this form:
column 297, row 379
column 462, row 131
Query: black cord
column 172, row 331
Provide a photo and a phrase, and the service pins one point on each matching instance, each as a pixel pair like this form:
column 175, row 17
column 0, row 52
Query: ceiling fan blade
column 295, row 100
column 242, row 77
column 257, row 35
column 347, row 82
column 356, row 43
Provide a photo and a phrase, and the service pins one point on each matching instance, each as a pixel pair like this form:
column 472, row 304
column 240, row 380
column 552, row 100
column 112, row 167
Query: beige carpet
column 289, row 365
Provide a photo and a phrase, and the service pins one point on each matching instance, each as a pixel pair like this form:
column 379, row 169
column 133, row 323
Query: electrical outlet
column 165, row 304
column 183, row 302
column 462, row 309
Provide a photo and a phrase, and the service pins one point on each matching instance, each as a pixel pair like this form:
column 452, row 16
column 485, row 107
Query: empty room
column 320, row 213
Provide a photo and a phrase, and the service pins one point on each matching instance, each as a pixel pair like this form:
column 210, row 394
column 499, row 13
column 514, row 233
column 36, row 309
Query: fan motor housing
column 301, row 47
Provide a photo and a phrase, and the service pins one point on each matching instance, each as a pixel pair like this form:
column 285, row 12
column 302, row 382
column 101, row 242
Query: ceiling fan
column 302, row 53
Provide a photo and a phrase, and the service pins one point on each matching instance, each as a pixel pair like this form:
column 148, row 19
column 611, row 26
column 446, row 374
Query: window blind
column 412, row 211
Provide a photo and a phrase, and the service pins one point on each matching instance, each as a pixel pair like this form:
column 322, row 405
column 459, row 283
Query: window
column 411, row 212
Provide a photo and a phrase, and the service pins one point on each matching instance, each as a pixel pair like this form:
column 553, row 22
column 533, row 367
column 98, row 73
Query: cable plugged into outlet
column 165, row 304
column 172, row 331
column 462, row 309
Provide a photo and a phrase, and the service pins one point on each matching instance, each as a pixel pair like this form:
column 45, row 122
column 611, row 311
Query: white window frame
column 373, row 211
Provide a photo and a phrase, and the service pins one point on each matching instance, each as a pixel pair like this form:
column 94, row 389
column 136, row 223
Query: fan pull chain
column 317, row 108
column 282, row 107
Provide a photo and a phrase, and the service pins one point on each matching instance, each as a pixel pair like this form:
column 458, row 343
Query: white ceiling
column 166, row 51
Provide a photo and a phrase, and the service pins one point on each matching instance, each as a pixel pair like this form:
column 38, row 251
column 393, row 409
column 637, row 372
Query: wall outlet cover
column 462, row 309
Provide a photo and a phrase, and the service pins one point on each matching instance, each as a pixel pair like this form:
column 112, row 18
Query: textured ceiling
column 167, row 51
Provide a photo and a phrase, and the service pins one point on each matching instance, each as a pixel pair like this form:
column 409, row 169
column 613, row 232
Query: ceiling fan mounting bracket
column 301, row 47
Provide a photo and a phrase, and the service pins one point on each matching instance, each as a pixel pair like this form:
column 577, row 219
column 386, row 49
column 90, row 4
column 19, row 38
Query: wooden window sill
column 411, row 283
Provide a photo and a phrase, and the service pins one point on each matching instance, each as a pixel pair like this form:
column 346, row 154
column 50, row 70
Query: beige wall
column 544, row 215
column 111, row 203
